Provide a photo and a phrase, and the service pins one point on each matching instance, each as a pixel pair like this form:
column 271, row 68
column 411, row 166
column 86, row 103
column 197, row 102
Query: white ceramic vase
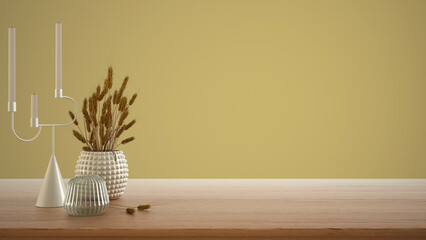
column 111, row 166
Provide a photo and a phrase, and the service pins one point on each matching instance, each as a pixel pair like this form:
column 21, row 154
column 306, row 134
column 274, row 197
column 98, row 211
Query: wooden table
column 232, row 209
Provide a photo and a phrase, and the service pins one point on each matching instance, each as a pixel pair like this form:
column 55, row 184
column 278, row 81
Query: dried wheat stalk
column 104, row 116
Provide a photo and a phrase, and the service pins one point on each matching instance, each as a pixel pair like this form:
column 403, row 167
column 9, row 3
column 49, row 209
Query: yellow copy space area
column 229, row 88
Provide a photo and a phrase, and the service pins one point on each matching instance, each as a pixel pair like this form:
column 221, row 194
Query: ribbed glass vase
column 86, row 196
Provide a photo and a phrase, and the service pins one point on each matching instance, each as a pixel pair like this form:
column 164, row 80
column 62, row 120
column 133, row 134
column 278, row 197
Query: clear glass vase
column 86, row 196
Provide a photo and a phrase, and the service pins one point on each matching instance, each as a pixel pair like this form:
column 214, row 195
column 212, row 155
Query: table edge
column 237, row 233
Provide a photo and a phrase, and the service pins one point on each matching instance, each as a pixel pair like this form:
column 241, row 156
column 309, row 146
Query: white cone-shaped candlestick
column 52, row 192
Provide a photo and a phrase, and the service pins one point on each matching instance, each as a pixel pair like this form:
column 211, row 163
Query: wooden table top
column 230, row 208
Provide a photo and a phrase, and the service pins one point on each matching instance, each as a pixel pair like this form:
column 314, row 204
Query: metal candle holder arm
column 40, row 125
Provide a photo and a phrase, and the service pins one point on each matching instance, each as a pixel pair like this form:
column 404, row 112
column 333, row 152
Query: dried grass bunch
column 105, row 114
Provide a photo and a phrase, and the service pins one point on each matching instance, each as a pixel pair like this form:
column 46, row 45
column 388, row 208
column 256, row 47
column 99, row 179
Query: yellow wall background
column 229, row 88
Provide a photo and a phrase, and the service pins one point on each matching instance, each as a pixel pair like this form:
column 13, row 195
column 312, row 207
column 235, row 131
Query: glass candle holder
column 86, row 196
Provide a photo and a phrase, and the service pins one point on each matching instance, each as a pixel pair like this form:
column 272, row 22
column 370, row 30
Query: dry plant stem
column 118, row 115
column 85, row 135
column 105, row 115
column 113, row 125
column 81, row 132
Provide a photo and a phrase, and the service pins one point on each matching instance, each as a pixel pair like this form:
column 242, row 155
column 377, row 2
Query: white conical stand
column 52, row 192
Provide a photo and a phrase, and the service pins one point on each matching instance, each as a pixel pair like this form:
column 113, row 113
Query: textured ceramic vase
column 111, row 166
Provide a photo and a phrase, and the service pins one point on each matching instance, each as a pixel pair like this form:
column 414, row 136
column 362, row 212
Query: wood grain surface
column 230, row 209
